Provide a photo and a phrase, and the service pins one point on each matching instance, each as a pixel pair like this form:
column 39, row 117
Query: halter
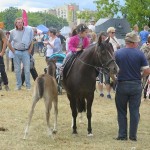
column 103, row 66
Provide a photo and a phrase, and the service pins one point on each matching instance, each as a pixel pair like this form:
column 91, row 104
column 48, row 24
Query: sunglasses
column 113, row 32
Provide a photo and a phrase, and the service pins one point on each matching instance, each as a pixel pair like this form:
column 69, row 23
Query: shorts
column 104, row 75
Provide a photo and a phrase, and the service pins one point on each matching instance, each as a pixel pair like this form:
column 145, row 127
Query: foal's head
column 106, row 55
column 51, row 69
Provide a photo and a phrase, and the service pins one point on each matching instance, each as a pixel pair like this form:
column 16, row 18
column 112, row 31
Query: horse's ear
column 55, row 60
column 107, row 40
column 99, row 40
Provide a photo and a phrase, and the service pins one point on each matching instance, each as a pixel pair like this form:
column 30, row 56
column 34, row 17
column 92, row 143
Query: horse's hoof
column 24, row 138
column 74, row 132
column 90, row 135
column 54, row 131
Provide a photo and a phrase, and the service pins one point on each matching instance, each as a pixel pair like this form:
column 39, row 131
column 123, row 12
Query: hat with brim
column 132, row 37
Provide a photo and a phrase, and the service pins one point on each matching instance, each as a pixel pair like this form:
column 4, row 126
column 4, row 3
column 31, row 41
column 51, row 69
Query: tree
column 107, row 8
column 9, row 15
column 137, row 12
column 87, row 15
column 34, row 18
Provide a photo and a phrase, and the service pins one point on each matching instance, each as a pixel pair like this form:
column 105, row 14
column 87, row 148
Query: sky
column 37, row 5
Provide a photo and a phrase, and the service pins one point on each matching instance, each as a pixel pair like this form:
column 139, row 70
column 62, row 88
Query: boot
column 7, row 88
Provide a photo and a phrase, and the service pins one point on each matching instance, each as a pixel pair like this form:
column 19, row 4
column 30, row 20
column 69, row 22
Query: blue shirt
column 130, row 62
column 144, row 36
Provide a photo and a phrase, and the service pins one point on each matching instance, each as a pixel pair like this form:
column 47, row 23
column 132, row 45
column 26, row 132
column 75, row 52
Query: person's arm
column 10, row 47
column 146, row 72
column 10, row 43
column 57, row 46
column 4, row 41
column 71, row 45
column 30, row 47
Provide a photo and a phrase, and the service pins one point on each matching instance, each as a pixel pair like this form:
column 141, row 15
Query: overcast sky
column 34, row 5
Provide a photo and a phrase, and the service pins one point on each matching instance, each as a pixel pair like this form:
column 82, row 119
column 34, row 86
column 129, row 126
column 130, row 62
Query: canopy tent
column 65, row 30
column 122, row 27
column 42, row 28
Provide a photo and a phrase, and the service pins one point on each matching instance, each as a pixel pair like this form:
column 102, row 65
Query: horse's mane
column 90, row 49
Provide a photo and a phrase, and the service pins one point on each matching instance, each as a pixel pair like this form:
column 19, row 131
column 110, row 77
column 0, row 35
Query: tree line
column 135, row 11
column 9, row 15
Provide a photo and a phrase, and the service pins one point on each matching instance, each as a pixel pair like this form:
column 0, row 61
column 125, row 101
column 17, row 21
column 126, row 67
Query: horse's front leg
column 74, row 113
column 89, row 113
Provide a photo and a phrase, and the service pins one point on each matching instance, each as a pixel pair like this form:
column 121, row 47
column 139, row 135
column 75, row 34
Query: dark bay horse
column 46, row 87
column 81, row 81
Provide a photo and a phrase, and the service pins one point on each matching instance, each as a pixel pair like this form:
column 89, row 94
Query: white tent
column 65, row 30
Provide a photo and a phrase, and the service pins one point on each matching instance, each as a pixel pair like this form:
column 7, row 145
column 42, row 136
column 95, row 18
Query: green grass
column 15, row 106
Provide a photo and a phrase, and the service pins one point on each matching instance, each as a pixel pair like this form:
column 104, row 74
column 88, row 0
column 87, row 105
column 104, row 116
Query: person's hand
column 1, row 54
column 29, row 51
column 78, row 49
column 118, row 46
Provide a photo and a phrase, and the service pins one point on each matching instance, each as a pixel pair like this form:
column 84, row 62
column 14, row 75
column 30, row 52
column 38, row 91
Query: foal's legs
column 35, row 100
column 74, row 112
column 55, row 113
column 89, row 114
column 48, row 106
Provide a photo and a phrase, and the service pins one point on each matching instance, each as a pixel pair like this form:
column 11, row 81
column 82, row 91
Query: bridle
column 102, row 66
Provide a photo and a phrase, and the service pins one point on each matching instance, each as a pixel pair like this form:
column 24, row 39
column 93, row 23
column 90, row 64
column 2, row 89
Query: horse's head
column 106, row 56
column 51, row 70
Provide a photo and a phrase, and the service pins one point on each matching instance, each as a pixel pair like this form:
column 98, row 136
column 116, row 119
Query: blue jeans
column 128, row 93
column 24, row 58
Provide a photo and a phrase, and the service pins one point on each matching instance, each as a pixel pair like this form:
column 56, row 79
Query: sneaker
column 28, row 89
column 17, row 88
column 101, row 95
column 109, row 96
column 0, row 87
column 7, row 88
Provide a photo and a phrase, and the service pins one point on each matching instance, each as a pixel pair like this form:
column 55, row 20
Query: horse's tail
column 40, row 86
column 81, row 105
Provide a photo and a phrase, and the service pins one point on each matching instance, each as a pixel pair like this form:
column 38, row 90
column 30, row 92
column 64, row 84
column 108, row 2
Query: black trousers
column 33, row 73
column 3, row 72
column 12, row 64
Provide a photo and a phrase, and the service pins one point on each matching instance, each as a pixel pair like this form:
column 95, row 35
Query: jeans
column 128, row 93
column 24, row 58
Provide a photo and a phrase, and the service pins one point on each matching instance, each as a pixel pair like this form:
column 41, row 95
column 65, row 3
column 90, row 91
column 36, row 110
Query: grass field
column 15, row 106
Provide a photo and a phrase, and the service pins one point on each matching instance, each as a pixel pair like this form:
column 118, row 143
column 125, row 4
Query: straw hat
column 132, row 37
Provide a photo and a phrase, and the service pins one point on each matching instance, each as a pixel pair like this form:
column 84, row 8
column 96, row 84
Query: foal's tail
column 40, row 86
column 81, row 105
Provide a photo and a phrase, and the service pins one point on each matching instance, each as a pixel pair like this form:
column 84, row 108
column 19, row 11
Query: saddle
column 69, row 63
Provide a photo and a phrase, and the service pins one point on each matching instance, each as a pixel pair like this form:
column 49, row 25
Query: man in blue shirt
column 144, row 35
column 131, row 62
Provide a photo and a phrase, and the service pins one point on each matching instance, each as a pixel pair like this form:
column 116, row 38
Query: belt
column 21, row 50
column 129, row 81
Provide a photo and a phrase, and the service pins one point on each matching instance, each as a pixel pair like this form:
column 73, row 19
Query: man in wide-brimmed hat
column 130, row 61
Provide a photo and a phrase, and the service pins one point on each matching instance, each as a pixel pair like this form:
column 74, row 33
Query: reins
column 96, row 67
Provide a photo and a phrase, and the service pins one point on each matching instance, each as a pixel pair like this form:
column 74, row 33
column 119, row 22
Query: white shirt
column 114, row 43
column 49, row 51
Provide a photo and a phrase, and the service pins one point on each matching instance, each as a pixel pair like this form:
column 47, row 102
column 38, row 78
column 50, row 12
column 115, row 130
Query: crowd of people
column 134, row 57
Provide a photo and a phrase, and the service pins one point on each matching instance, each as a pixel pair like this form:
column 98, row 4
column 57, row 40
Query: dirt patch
column 3, row 129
